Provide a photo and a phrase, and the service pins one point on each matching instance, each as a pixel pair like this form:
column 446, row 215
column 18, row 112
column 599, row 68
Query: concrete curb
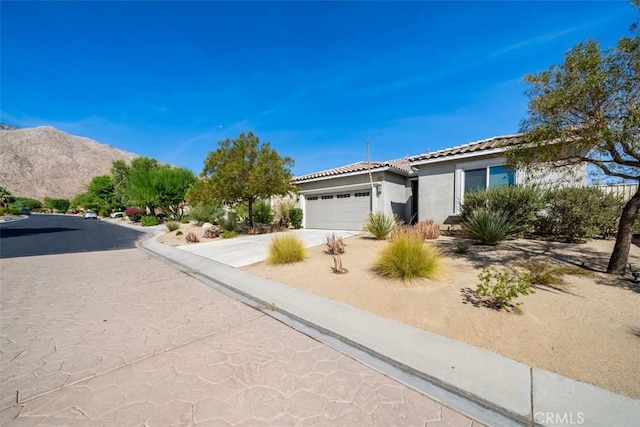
column 484, row 385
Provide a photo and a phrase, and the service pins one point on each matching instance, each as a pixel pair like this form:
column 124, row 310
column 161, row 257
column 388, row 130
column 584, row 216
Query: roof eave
column 457, row 156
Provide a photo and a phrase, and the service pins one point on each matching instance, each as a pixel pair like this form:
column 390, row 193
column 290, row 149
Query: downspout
column 374, row 203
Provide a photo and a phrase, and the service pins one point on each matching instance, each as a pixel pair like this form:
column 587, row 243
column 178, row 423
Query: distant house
column 425, row 186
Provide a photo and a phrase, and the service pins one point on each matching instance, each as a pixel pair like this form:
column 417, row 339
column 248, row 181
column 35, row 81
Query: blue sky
column 316, row 79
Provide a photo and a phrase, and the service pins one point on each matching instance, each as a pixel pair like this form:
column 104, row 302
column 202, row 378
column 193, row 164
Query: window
column 489, row 177
column 327, row 197
column 363, row 194
column 312, row 198
column 344, row 196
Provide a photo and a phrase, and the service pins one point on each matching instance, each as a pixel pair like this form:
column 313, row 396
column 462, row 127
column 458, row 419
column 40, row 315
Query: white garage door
column 338, row 211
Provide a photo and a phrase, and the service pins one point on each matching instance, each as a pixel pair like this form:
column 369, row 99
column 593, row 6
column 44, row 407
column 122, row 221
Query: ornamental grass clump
column 380, row 224
column 428, row 229
column 407, row 257
column 489, row 227
column 172, row 225
column 286, row 249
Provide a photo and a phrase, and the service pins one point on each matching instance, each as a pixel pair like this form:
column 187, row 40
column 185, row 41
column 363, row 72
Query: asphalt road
column 61, row 234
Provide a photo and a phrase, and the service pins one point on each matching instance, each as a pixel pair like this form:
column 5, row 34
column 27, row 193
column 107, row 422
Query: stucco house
column 426, row 186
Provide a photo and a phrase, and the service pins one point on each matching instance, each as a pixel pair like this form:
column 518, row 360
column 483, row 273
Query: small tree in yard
column 587, row 110
column 244, row 170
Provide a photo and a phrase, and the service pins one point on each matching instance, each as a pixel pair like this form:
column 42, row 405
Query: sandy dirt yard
column 588, row 329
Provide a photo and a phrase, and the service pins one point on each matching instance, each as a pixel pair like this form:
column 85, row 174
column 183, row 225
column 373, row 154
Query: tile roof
column 400, row 166
column 472, row 147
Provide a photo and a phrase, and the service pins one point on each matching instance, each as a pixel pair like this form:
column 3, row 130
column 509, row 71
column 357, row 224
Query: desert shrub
column 380, row 224
column 501, row 288
column 12, row 210
column 179, row 233
column 283, row 212
column 149, row 220
column 262, row 212
column 135, row 214
column 172, row 225
column 228, row 234
column 295, row 216
column 103, row 212
column 185, row 219
column 206, row 212
column 461, row 247
column 211, row 233
column 191, row 237
column 407, row 257
column 520, row 204
column 580, row 214
column 428, row 229
column 2, row 210
column 286, row 249
column 489, row 227
column 335, row 245
column 540, row 273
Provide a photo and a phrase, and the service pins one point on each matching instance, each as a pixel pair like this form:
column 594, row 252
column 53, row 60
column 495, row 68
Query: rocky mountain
column 46, row 162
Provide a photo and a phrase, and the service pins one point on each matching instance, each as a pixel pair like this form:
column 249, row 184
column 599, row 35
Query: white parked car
column 90, row 214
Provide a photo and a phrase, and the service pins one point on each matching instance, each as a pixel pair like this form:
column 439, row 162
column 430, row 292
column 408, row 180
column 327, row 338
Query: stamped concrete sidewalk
column 121, row 338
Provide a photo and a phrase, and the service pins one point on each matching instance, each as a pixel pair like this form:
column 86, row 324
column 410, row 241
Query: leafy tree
column 119, row 178
column 87, row 200
column 60, row 205
column 587, row 110
column 25, row 202
column 102, row 188
column 171, row 185
column 5, row 197
column 243, row 170
column 147, row 183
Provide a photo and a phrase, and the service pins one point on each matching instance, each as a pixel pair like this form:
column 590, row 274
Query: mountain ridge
column 46, row 162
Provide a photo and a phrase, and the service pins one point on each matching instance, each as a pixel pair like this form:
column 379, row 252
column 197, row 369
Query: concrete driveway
column 247, row 250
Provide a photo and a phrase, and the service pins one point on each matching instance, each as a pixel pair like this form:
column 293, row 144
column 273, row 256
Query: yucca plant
column 380, row 224
column 407, row 257
column 489, row 227
column 286, row 249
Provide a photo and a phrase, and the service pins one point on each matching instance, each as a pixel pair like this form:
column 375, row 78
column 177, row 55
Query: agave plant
column 489, row 227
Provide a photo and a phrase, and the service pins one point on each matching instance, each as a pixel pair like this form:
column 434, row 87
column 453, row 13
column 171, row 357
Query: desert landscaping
column 587, row 329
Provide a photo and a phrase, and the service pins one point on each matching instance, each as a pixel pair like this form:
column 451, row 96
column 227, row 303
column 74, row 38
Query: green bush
column 286, row 249
column 262, row 212
column 380, row 224
column 185, row 219
column 149, row 220
column 580, row 214
column 206, row 212
column 179, row 233
column 25, row 202
column 520, row 204
column 59, row 205
column 173, row 225
column 295, row 216
column 228, row 234
column 408, row 257
column 502, row 288
column 230, row 223
column 103, row 212
column 489, row 227
column 2, row 210
column 12, row 210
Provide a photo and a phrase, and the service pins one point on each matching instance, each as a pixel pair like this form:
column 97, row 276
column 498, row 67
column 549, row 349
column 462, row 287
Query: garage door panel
column 346, row 210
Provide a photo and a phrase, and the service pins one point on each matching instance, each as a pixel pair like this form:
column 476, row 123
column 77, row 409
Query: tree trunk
column 250, row 213
column 620, row 254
